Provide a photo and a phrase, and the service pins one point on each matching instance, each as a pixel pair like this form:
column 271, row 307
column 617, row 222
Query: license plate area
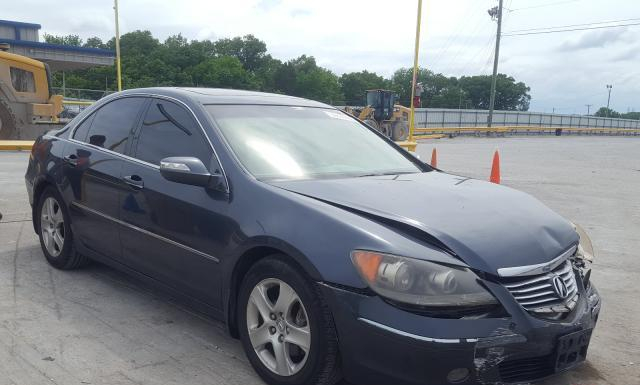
column 572, row 349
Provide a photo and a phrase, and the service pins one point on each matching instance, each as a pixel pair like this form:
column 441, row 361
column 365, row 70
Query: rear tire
column 295, row 328
column 54, row 230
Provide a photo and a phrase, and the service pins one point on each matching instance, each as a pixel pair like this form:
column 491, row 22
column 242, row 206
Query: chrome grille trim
column 537, row 295
column 541, row 268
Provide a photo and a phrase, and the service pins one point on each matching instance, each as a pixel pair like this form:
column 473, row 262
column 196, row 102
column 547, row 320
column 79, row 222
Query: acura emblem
column 559, row 287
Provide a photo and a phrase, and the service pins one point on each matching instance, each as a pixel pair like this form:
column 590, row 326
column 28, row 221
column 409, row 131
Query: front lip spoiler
column 518, row 271
column 418, row 337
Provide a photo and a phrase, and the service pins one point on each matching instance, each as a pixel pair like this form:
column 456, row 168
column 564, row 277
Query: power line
column 570, row 30
column 543, row 5
column 487, row 66
column 452, row 38
column 459, row 43
column 489, row 46
column 575, row 25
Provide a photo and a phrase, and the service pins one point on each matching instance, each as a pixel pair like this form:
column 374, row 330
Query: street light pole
column 609, row 87
column 495, row 13
column 412, row 117
column 118, row 70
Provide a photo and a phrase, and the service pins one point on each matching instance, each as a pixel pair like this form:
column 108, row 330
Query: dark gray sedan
column 327, row 249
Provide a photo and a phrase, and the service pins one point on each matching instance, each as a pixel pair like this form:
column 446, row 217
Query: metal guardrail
column 525, row 130
column 442, row 117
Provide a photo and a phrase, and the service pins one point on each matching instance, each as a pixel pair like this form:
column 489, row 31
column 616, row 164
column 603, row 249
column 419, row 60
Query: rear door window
column 113, row 123
column 170, row 130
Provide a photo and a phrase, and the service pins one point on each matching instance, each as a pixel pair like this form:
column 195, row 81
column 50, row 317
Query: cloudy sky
column 564, row 70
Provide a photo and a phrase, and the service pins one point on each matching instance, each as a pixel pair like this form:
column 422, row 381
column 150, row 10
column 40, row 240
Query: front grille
column 537, row 293
column 526, row 369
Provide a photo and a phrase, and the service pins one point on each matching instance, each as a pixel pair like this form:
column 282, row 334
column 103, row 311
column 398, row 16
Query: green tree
column 303, row 77
column 439, row 90
column 244, row 62
column 138, row 43
column 450, row 97
column 354, row 85
column 510, row 95
column 607, row 113
column 73, row 40
column 401, row 82
column 222, row 72
column 265, row 74
column 251, row 52
column 631, row 115
column 95, row 42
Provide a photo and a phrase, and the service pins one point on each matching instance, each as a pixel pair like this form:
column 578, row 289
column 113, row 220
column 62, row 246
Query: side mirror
column 188, row 170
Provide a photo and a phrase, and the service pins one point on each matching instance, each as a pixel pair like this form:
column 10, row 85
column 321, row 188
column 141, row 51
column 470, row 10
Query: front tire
column 54, row 230
column 286, row 329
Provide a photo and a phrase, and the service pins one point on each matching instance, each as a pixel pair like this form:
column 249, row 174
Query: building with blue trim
column 23, row 39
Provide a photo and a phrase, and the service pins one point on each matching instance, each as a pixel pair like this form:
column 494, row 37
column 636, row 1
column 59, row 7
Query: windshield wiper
column 384, row 173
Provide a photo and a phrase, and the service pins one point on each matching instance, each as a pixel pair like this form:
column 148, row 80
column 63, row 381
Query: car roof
column 227, row 96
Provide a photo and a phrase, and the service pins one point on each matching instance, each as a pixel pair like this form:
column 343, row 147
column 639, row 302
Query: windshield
column 284, row 142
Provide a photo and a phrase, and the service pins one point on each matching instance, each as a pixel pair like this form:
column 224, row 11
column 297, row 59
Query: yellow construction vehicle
column 26, row 99
column 383, row 114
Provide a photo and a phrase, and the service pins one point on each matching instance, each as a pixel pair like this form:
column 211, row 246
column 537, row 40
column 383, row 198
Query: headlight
column 584, row 255
column 420, row 283
column 585, row 247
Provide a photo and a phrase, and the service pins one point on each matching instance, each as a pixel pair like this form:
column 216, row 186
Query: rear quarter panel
column 45, row 165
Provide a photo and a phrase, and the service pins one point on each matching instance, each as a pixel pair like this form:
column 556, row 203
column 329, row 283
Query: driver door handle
column 134, row 181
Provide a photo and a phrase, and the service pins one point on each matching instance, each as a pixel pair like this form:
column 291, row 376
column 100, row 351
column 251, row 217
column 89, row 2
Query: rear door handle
column 134, row 181
column 71, row 160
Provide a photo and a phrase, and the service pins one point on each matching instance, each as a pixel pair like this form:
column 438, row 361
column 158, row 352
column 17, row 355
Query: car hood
column 487, row 226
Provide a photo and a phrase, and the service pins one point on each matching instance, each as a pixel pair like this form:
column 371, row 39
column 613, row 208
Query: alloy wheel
column 278, row 327
column 52, row 226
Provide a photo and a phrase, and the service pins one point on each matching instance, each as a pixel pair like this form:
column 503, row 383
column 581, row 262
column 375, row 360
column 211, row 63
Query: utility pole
column 588, row 108
column 609, row 87
column 118, row 70
column 495, row 13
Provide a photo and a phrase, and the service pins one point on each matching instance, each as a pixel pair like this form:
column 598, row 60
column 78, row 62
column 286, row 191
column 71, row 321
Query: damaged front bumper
column 381, row 344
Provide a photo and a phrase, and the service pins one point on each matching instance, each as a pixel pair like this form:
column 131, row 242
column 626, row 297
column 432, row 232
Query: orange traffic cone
column 495, row 169
column 434, row 158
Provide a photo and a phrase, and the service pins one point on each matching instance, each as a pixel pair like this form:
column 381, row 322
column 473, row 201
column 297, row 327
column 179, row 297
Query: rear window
column 83, row 129
column 113, row 122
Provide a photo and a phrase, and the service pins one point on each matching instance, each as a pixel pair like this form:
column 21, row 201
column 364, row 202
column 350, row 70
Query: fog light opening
column 457, row 376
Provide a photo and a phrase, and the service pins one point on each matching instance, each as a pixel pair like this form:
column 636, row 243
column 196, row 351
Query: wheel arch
column 39, row 186
column 247, row 259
